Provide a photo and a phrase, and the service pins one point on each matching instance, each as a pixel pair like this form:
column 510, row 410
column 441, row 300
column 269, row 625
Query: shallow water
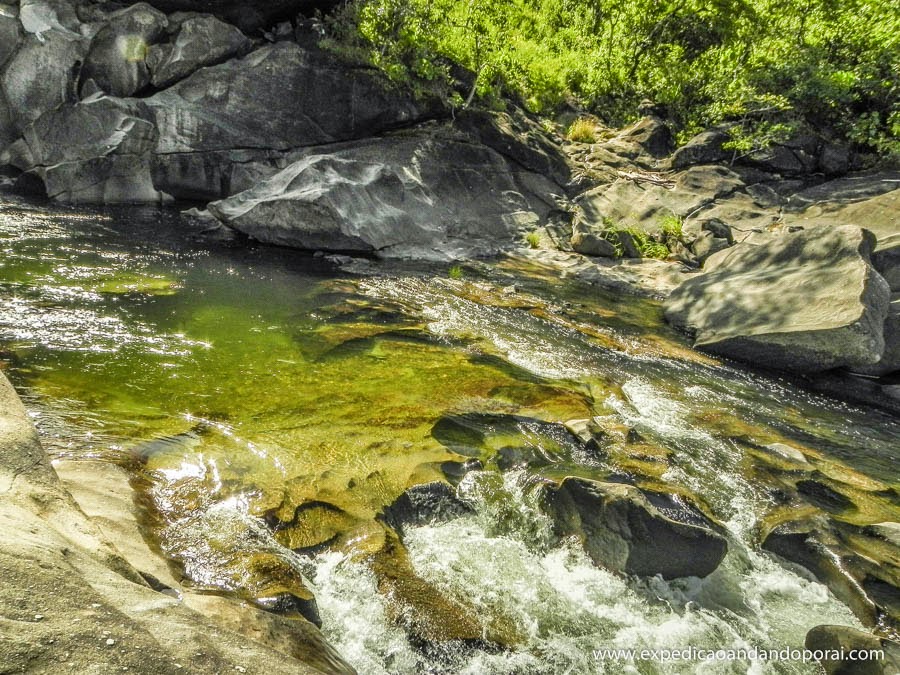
column 240, row 383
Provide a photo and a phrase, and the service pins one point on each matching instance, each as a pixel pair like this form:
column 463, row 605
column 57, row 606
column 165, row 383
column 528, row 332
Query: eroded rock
column 807, row 301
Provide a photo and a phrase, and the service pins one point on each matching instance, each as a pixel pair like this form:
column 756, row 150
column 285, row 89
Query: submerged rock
column 625, row 531
column 807, row 301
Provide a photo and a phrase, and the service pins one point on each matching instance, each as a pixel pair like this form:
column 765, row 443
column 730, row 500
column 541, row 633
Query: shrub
column 583, row 130
column 533, row 239
column 455, row 273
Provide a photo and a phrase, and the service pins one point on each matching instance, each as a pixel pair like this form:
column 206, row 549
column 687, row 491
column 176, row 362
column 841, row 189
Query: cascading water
column 249, row 384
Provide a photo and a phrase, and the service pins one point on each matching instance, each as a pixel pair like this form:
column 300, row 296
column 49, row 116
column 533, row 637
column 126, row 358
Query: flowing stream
column 243, row 384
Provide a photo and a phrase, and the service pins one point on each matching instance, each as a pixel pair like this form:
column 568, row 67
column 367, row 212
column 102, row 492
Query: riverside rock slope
column 70, row 601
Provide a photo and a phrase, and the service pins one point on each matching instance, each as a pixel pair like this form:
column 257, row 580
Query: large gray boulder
column 807, row 301
column 198, row 41
column 423, row 194
column 98, row 151
column 624, row 531
column 277, row 98
column 117, row 61
column 39, row 77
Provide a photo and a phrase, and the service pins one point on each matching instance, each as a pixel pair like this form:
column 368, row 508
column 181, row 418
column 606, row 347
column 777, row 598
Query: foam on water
column 565, row 608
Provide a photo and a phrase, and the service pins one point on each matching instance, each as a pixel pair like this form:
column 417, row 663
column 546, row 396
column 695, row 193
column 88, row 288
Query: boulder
column 425, row 504
column 40, row 76
column 97, row 151
column 704, row 148
column 837, row 642
column 117, row 60
column 278, row 97
column 707, row 244
column 834, row 160
column 199, row 41
column 647, row 205
column 648, row 138
column 591, row 244
column 807, row 301
column 626, row 530
column 423, row 194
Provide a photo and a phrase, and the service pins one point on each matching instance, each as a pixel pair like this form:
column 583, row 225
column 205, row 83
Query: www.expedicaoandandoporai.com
column 749, row 654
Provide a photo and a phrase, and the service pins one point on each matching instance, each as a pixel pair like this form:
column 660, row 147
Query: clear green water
column 254, row 381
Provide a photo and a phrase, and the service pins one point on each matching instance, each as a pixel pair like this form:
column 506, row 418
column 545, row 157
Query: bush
column 583, row 130
column 533, row 239
column 830, row 66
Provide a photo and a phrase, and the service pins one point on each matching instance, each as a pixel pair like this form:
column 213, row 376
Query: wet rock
column 98, row 151
column 40, row 76
column 824, row 496
column 787, row 452
column 591, row 244
column 198, row 41
column 624, row 531
column 425, row 504
column 704, row 148
column 808, row 301
column 858, row 565
column 428, row 616
column 396, row 197
column 839, row 641
column 59, row 566
column 117, row 60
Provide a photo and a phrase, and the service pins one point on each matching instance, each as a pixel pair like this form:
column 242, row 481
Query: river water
column 248, row 383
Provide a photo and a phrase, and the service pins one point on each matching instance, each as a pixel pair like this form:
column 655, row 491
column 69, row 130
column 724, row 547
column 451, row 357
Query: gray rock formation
column 807, row 301
column 96, row 151
column 624, row 531
column 116, row 62
column 396, row 196
column 198, row 41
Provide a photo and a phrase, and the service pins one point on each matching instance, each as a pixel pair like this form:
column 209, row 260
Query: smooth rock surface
column 836, row 639
column 395, row 196
column 807, row 301
column 96, row 151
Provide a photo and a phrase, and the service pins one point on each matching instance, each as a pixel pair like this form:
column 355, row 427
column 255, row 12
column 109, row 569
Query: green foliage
column 533, row 239
column 762, row 65
column 648, row 245
column 455, row 273
column 671, row 227
column 583, row 130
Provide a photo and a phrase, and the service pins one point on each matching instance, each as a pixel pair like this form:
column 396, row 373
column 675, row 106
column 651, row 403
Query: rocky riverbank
column 787, row 259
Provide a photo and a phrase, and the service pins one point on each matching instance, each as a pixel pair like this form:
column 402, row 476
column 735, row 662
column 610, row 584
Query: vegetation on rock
column 764, row 67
